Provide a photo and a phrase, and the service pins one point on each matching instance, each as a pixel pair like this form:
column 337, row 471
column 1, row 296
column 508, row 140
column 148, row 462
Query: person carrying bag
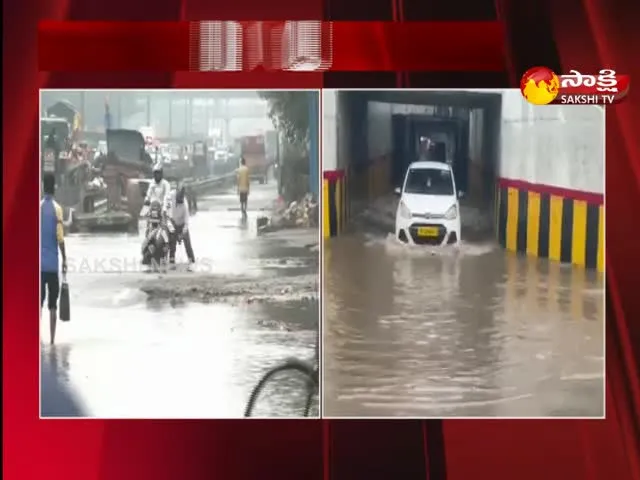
column 65, row 308
column 51, row 247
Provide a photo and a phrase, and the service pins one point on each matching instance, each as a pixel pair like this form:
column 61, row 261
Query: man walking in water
column 243, row 185
column 51, row 239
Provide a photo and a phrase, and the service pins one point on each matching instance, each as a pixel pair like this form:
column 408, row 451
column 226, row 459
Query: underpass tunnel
column 371, row 137
column 532, row 176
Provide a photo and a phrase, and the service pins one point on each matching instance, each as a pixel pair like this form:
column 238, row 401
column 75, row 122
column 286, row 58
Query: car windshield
column 429, row 181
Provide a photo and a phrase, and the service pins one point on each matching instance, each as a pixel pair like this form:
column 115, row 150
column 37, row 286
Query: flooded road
column 480, row 332
column 187, row 344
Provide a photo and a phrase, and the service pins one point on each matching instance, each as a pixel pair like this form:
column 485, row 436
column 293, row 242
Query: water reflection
column 477, row 332
column 200, row 361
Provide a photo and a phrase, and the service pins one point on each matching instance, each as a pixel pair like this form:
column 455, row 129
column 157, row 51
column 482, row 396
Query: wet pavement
column 477, row 331
column 187, row 344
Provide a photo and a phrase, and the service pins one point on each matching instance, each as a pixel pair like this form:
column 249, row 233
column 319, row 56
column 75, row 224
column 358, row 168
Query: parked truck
column 199, row 160
column 55, row 144
column 253, row 150
column 69, row 113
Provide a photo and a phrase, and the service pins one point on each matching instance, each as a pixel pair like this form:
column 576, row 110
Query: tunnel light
column 404, row 211
column 452, row 213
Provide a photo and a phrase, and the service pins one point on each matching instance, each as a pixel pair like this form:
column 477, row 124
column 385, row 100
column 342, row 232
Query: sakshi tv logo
column 542, row 86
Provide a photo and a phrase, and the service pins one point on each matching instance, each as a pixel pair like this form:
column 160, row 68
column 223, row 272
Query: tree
column 289, row 112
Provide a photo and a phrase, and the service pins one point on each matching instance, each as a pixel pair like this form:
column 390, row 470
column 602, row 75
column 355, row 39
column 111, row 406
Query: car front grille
column 442, row 232
column 429, row 216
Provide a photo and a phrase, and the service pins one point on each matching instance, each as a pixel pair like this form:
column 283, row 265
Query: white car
column 428, row 211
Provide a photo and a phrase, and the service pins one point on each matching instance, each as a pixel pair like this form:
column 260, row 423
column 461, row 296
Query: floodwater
column 477, row 331
column 123, row 355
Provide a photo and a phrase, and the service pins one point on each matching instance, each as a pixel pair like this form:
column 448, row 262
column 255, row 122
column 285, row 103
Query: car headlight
column 452, row 213
column 404, row 211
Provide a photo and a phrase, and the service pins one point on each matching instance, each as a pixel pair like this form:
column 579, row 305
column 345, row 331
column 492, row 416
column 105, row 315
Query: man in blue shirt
column 51, row 239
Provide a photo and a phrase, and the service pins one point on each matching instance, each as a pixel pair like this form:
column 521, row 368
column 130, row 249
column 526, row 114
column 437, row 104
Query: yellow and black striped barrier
column 366, row 182
column 542, row 221
column 334, row 203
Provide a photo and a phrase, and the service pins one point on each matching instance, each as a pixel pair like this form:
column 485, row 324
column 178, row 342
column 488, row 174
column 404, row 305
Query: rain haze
column 175, row 318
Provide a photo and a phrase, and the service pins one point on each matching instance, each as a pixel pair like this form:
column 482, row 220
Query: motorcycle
column 155, row 246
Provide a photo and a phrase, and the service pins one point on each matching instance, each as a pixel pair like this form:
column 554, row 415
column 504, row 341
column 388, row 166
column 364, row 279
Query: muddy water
column 474, row 332
column 127, row 355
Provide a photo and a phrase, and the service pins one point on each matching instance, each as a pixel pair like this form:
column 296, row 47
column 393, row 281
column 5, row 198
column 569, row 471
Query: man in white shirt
column 178, row 215
column 159, row 189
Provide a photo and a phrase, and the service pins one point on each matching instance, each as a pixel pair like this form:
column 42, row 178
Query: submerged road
column 187, row 344
column 443, row 333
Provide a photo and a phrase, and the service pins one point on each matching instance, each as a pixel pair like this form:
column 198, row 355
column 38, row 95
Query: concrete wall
column 344, row 125
column 475, row 135
column 379, row 130
column 329, row 130
column 477, row 190
column 380, row 148
column 551, row 183
column 556, row 145
column 334, row 157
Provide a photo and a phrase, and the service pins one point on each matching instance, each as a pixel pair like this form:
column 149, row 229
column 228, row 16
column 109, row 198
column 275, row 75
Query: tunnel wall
column 476, row 140
column 368, row 125
column 369, row 166
column 357, row 147
column 551, row 181
column 353, row 111
column 380, row 148
column 475, row 135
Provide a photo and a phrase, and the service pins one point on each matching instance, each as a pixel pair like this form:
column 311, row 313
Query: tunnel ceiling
column 442, row 98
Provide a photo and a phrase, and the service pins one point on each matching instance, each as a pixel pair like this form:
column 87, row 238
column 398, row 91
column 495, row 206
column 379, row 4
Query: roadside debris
column 239, row 290
column 97, row 183
column 298, row 214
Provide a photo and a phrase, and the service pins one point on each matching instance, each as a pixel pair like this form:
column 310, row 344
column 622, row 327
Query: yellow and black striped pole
column 334, row 203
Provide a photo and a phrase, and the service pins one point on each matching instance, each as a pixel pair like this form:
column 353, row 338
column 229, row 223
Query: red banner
column 270, row 46
column 572, row 35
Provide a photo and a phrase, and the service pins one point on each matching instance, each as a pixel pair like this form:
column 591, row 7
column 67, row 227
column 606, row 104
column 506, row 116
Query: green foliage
column 289, row 112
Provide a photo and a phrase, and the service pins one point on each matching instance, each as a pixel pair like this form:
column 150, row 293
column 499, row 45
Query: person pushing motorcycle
column 178, row 217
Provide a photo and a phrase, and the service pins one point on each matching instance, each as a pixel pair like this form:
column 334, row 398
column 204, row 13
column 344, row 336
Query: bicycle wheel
column 303, row 368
